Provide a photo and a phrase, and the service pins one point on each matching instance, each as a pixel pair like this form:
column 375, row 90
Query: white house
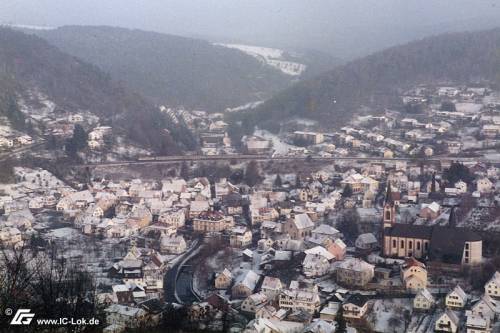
column 125, row 316
column 254, row 302
column 414, row 275
column 174, row 244
column 355, row 307
column 240, row 237
column 223, row 279
column 492, row 287
column 423, row 300
column 461, row 186
column 299, row 299
column 322, row 233
column 245, row 284
column 271, row 287
column 456, row 299
column 477, row 324
column 485, row 307
column 315, row 265
column 175, row 217
column 484, row 185
column 447, row 322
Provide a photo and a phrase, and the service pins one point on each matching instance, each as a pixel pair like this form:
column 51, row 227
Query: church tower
column 389, row 217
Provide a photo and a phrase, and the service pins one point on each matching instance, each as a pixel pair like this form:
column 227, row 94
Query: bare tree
column 46, row 284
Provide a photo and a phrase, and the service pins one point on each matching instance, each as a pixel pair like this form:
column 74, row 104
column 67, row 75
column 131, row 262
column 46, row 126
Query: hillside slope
column 375, row 79
column 29, row 63
column 171, row 70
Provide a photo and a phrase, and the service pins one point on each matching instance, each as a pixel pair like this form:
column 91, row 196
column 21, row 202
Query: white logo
column 22, row 317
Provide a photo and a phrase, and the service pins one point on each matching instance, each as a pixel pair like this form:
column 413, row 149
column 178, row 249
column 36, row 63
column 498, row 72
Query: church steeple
column 388, row 194
column 389, row 217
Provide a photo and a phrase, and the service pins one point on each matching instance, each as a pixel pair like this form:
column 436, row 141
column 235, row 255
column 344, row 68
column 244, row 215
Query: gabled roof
column 425, row 293
column 226, row 273
column 325, row 229
column 459, row 292
column 125, row 310
column 367, row 238
column 249, row 279
column 495, row 279
column 320, row 326
column 476, row 321
column 258, row 298
column 320, row 251
column 340, row 243
column 355, row 264
column 412, row 262
column 434, row 206
column 486, row 300
column 357, row 299
column 409, row 230
column 302, row 221
column 271, row 283
column 452, row 315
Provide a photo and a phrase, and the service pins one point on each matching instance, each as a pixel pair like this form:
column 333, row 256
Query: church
column 448, row 246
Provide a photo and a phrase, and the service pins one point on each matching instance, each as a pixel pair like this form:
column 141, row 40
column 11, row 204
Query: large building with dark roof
column 446, row 245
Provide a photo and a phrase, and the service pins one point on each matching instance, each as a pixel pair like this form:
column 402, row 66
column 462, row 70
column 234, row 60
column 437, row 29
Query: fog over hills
column 172, row 70
column 28, row 63
column 334, row 96
column 344, row 28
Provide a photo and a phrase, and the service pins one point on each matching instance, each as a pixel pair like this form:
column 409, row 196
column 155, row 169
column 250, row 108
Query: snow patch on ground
column 251, row 105
column 272, row 57
column 279, row 146
column 64, row 233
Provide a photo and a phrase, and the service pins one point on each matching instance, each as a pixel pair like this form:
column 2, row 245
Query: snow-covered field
column 271, row 57
column 387, row 315
column 279, row 146
column 46, row 108
column 468, row 108
column 251, row 105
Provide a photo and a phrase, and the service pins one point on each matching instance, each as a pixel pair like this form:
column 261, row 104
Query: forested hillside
column 171, row 70
column 373, row 80
column 29, row 63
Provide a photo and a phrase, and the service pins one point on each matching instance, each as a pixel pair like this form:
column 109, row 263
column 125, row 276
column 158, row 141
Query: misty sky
column 344, row 28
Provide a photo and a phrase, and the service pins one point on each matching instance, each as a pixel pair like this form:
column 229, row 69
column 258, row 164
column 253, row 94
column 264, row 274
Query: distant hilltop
column 27, row 26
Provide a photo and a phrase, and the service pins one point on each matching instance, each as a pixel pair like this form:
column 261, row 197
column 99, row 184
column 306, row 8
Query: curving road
column 178, row 279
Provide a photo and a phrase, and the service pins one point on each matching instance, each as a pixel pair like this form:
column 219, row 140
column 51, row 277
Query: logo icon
column 22, row 317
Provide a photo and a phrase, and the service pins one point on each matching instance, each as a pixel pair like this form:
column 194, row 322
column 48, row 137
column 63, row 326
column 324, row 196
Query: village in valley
column 388, row 224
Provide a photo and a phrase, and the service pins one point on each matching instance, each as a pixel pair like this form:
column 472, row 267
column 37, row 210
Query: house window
column 418, row 246
column 394, row 243
column 410, row 245
column 426, row 246
column 466, row 246
column 388, row 215
column 402, row 244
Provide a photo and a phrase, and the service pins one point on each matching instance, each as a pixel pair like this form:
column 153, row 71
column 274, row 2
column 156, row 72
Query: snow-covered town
column 308, row 167
column 391, row 245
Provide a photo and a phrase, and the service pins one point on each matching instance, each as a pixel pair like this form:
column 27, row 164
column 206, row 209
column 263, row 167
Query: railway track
column 188, row 158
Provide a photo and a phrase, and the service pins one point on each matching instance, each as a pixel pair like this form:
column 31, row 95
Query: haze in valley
column 344, row 28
